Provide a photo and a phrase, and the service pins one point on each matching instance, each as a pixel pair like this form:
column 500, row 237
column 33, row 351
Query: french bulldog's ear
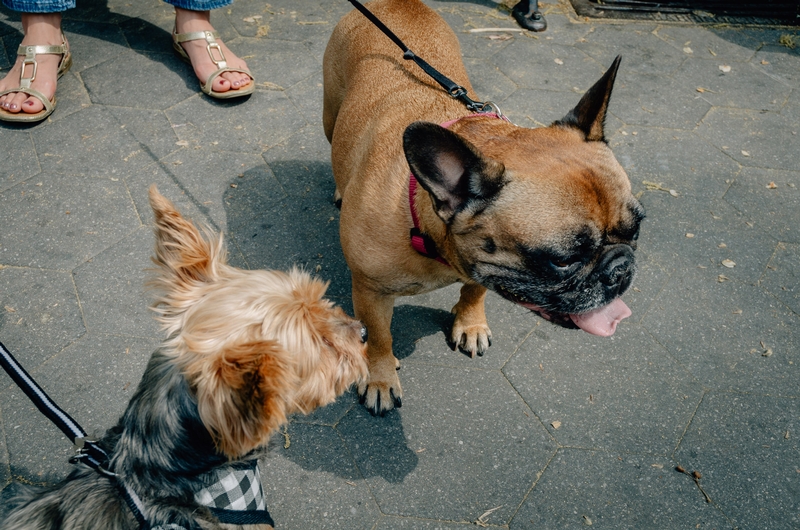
column 450, row 168
column 590, row 113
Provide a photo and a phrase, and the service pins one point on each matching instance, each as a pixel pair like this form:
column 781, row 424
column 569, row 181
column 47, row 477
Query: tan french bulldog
column 544, row 217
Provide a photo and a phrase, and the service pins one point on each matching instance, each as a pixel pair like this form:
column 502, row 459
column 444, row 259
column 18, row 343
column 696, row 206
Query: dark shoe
column 529, row 17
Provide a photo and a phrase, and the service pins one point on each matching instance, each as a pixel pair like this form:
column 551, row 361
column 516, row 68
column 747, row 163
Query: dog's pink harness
column 420, row 241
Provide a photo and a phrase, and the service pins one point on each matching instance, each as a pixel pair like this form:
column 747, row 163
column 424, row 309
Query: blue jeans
column 56, row 6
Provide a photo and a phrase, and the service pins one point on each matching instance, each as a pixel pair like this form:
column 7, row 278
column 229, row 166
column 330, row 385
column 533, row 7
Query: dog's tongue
column 603, row 320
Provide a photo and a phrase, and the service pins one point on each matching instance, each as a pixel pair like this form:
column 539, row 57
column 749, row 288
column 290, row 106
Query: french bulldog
column 544, row 217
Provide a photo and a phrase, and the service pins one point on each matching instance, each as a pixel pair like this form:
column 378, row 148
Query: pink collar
column 420, row 241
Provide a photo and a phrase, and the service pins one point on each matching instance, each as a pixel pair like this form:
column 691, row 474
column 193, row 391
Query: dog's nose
column 363, row 334
column 616, row 265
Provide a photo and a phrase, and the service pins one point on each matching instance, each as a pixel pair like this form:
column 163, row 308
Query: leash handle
column 88, row 452
column 455, row 90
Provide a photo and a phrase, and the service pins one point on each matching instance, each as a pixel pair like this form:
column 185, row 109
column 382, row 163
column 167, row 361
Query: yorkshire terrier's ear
column 244, row 394
column 181, row 252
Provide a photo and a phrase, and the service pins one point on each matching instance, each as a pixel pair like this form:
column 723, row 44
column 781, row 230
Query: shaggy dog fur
column 244, row 350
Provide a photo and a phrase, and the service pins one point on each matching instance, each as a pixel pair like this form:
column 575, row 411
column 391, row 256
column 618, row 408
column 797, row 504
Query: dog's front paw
column 380, row 396
column 470, row 337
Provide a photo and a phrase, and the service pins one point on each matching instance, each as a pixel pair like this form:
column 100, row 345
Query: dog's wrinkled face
column 544, row 217
column 254, row 346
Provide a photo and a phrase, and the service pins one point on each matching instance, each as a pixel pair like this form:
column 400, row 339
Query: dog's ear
column 450, row 168
column 181, row 251
column 243, row 394
column 590, row 114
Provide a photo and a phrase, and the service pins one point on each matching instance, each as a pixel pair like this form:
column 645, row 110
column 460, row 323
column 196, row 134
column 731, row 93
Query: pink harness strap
column 420, row 241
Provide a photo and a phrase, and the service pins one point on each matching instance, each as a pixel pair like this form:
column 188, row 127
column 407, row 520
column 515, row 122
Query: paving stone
column 561, row 29
column 93, row 43
column 547, row 66
column 533, row 107
column 56, row 226
column 745, row 447
column 644, row 99
column 5, row 471
column 651, row 277
column 39, row 315
column 75, row 144
column 330, row 415
column 782, row 274
column 301, row 164
column 615, row 490
column 400, row 523
column 284, row 63
column 150, row 128
column 721, row 43
column 111, row 288
column 114, row 82
column 5, row 57
column 487, row 81
column 314, row 483
column 264, row 119
column 775, row 210
column 629, row 394
column 743, row 87
column 18, row 159
column 642, row 52
column 748, row 136
column 775, row 62
column 38, row 451
column 722, row 348
column 717, row 232
column 455, row 424
column 71, row 97
column 676, row 159
column 307, row 97
column 150, row 31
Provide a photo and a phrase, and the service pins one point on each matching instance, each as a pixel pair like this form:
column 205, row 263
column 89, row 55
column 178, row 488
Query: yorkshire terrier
column 245, row 349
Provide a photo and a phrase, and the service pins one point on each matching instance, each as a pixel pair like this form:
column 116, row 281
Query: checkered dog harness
column 234, row 496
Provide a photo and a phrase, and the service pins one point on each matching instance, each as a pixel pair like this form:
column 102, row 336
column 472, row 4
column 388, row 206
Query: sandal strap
column 30, row 53
column 211, row 44
column 48, row 105
column 206, row 87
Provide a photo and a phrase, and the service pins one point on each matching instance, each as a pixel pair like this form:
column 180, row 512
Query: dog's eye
column 564, row 264
column 636, row 235
column 489, row 245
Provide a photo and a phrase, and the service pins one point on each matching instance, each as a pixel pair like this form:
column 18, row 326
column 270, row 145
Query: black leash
column 455, row 91
column 87, row 451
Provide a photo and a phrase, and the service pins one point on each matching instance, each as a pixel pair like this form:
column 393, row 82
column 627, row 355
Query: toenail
column 13, row 106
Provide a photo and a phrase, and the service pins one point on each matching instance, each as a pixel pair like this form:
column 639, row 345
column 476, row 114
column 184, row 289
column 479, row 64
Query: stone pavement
column 552, row 428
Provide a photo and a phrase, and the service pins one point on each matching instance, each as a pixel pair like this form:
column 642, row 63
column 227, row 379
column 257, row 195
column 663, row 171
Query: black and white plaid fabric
column 235, row 487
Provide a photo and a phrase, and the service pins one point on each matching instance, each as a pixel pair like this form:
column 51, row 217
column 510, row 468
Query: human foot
column 40, row 30
column 200, row 55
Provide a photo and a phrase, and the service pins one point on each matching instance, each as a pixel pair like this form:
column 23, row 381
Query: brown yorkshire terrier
column 244, row 350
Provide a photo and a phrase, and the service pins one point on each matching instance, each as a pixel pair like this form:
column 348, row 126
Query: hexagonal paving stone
column 150, row 128
column 746, row 449
column 455, row 425
column 615, row 490
column 76, row 144
column 697, row 232
column 38, row 450
column 412, row 523
column 5, row 472
column 623, row 393
column 142, row 80
column 93, row 43
column 70, row 99
column 39, row 315
column 771, row 198
column 284, row 63
column 331, row 414
column 57, row 226
column 302, row 164
column 676, row 159
column 111, row 288
column 744, row 86
column 716, row 330
column 546, row 65
column 534, row 107
column 748, row 136
column 487, row 81
column 726, row 44
column 314, row 483
column 642, row 52
column 780, row 63
column 307, row 97
column 250, row 124
column 655, row 100
column 18, row 159
column 782, row 275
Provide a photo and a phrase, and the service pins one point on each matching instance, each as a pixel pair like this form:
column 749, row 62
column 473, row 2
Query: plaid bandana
column 235, row 487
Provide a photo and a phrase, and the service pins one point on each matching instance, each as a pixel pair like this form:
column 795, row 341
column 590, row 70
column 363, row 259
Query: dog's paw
column 379, row 397
column 471, row 339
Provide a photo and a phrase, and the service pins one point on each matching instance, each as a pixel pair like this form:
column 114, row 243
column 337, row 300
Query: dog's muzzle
column 616, row 268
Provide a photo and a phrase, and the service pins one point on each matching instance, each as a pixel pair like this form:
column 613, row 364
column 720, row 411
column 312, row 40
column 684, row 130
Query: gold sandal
column 211, row 39
column 30, row 53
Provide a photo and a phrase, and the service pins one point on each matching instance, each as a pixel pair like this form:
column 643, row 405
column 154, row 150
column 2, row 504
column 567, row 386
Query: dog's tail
column 185, row 258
